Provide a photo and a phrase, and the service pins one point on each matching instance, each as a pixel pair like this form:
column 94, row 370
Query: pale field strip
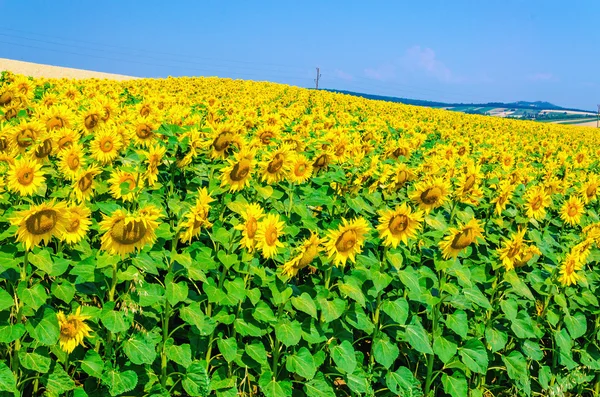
column 568, row 112
column 49, row 71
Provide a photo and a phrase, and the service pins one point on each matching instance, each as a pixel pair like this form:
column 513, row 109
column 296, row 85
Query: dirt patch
column 40, row 70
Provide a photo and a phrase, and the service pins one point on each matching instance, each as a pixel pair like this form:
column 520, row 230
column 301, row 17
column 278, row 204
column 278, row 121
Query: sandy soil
column 587, row 124
column 565, row 111
column 40, row 70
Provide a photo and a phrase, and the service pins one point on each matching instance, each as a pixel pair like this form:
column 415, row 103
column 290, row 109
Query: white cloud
column 343, row 75
column 425, row 60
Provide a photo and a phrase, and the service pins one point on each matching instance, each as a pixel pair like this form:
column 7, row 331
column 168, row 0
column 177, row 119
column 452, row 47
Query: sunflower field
column 205, row 236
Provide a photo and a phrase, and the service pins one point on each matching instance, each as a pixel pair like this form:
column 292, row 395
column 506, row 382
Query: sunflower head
column 73, row 330
column 268, row 232
column 40, row 223
column 431, row 193
column 346, row 242
column 460, row 238
column 399, row 225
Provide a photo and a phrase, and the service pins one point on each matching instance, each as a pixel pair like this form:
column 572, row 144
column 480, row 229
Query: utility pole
column 598, row 118
column 319, row 76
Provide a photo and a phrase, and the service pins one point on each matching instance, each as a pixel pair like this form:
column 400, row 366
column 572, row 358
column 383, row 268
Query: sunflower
column 431, row 193
column 308, row 251
column 468, row 190
column 347, row 241
column 123, row 184
column 26, row 133
column 77, row 224
column 154, row 158
column 57, row 117
column 300, row 169
column 568, row 270
column 238, row 172
column 536, row 202
column 400, row 175
column 64, row 138
column 105, row 146
column 252, row 213
column 505, row 191
column 267, row 235
column 197, row 217
column 25, row 177
column 512, row 249
column 572, row 210
column 399, row 225
column 589, row 190
column 265, row 134
column 71, row 160
column 460, row 238
column 275, row 167
column 125, row 233
column 144, row 134
column 224, row 138
column 83, row 183
column 72, row 330
column 42, row 148
column 40, row 223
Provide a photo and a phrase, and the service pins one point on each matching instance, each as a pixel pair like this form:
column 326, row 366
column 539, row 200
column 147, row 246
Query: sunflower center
column 25, row 137
column 398, row 224
column 266, row 137
column 524, row 259
column 129, row 180
column 145, row 111
column 463, row 239
column 462, row 150
column 251, row 227
column 70, row 329
column 514, row 250
column 128, row 233
column 55, row 123
column 222, row 141
column 73, row 161
column 240, row 171
column 580, row 157
column 321, row 161
column 340, row 150
column 91, row 121
column 41, row 222
column 44, row 150
column 590, row 191
column 5, row 98
column 536, row 204
column 65, row 142
column 346, row 241
column 431, row 195
column 3, row 144
column 107, row 114
column 300, row 169
column 572, row 210
column 85, row 182
column 276, row 164
column 143, row 131
column 10, row 114
column 309, row 255
column 74, row 225
column 106, row 145
column 271, row 236
column 400, row 152
column 469, row 183
column 402, row 177
column 25, row 176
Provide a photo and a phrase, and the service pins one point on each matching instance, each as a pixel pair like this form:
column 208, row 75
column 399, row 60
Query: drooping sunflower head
column 25, row 177
column 154, row 157
column 347, row 241
column 269, row 230
column 568, row 274
column 572, row 210
column 238, row 172
column 307, row 252
column 197, row 216
column 83, row 183
column 512, row 249
column 125, row 233
column 399, row 225
column 40, row 223
column 73, row 330
column 589, row 190
column 460, row 238
column 431, row 193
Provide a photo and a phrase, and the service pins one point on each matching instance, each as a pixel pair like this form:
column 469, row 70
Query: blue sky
column 453, row 51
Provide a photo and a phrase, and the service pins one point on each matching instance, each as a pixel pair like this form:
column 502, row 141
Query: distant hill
column 538, row 110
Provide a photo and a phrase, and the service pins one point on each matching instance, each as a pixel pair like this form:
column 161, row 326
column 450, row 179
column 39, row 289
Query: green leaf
column 119, row 382
column 228, row 348
column 181, row 354
column 92, row 364
column 352, row 290
column 288, row 333
column 257, row 352
column 577, row 324
column 444, row 348
column 59, row 382
column 418, row 338
column 79, row 392
column 331, row 310
column 8, row 382
column 35, row 362
column 302, row 363
column 397, row 310
column 516, row 365
column 532, row 350
column 318, row 387
column 6, row 300
column 455, row 385
column 305, row 304
column 10, row 333
column 497, row 339
column 410, row 278
column 522, row 326
column 385, row 351
column 474, row 356
column 140, row 349
column 518, row 285
column 272, row 388
column 343, row 356
column 115, row 321
column 403, row 383
column 42, row 261
column 196, row 381
column 458, row 323
column 150, row 294
column 33, row 297
column 474, row 295
column 545, row 376
column 263, row 312
column 177, row 292
column 193, row 315
column 44, row 326
column 64, row 291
